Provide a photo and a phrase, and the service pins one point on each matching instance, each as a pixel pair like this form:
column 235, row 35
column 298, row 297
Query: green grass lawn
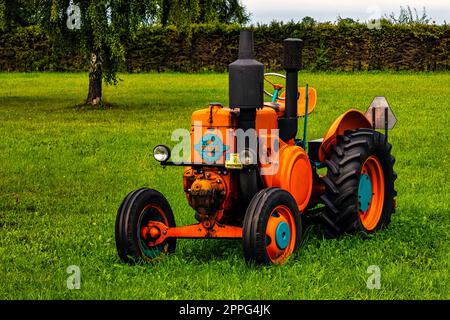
column 65, row 170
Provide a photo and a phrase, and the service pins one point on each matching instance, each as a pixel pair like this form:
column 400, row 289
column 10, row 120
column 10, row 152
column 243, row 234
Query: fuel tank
column 212, row 134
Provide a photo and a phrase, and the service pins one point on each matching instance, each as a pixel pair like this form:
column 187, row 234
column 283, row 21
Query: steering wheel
column 276, row 87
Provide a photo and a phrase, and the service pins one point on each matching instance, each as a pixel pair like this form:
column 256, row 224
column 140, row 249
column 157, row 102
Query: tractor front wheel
column 360, row 194
column 138, row 209
column 272, row 227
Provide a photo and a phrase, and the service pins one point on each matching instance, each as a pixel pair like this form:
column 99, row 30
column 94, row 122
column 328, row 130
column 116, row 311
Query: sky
column 265, row 11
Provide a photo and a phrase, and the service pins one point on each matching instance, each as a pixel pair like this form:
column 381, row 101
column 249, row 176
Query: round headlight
column 161, row 153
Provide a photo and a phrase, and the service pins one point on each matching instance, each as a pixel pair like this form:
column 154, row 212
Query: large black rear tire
column 347, row 199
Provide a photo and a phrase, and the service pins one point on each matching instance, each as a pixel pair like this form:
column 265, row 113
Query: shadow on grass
column 104, row 105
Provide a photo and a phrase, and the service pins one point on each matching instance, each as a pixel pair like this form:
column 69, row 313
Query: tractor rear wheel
column 136, row 211
column 360, row 194
column 272, row 227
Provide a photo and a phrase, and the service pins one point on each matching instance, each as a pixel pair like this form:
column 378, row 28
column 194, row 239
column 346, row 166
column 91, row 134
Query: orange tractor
column 249, row 177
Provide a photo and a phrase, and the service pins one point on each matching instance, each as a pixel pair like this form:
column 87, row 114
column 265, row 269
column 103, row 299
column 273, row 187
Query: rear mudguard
column 352, row 119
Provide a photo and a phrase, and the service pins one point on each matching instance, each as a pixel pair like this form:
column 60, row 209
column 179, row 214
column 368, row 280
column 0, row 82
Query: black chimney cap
column 292, row 54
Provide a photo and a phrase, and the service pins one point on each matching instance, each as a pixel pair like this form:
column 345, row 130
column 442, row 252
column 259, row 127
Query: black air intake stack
column 246, row 82
column 292, row 57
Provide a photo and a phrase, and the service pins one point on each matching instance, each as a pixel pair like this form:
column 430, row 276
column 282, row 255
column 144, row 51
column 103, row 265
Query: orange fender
column 352, row 119
column 293, row 174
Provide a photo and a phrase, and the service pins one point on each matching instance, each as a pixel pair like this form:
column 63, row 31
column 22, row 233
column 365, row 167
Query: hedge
column 334, row 47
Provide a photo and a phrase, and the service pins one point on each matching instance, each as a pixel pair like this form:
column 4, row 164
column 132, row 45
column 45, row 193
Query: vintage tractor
column 248, row 177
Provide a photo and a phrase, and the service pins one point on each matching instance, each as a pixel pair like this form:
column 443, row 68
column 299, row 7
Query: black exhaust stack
column 246, row 92
column 292, row 57
column 246, row 82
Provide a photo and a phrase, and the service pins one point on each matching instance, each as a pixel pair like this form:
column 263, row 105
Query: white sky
column 328, row 10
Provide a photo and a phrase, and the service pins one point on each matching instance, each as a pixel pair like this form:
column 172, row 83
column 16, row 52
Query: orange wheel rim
column 371, row 206
column 280, row 234
column 148, row 214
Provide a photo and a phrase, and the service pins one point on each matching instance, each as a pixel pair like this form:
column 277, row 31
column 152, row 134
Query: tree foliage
column 104, row 26
column 327, row 46
column 107, row 24
column 15, row 13
column 309, row 21
column 185, row 12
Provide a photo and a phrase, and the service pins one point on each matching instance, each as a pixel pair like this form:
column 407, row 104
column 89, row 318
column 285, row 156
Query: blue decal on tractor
column 210, row 147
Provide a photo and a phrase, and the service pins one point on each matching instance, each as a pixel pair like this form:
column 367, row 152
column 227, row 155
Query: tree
column 344, row 21
column 99, row 28
column 165, row 11
column 409, row 16
column 231, row 11
column 308, row 21
column 15, row 13
column 183, row 12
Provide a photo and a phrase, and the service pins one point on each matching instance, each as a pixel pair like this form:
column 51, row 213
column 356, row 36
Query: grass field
column 64, row 171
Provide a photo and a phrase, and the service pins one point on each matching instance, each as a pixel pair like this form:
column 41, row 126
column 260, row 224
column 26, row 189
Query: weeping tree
column 182, row 12
column 99, row 28
column 15, row 13
column 231, row 11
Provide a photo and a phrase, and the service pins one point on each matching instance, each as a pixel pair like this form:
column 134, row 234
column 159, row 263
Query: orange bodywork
column 286, row 166
column 217, row 121
column 222, row 122
column 292, row 172
column 266, row 119
column 352, row 119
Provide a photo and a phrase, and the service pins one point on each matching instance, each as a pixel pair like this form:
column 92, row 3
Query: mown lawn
column 64, row 171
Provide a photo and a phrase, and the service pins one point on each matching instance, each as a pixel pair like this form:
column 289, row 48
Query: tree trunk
column 95, row 81
column 166, row 4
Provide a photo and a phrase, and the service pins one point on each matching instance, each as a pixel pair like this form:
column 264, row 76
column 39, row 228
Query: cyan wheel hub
column 364, row 192
column 283, row 235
